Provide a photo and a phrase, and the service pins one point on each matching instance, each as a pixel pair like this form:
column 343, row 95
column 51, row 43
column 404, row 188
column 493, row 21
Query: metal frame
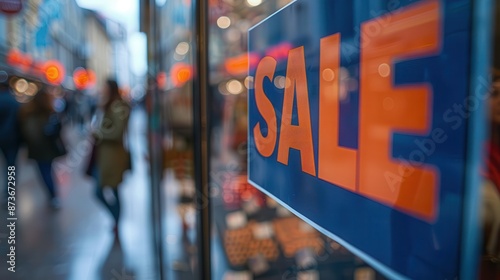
column 201, row 101
column 481, row 47
column 155, row 131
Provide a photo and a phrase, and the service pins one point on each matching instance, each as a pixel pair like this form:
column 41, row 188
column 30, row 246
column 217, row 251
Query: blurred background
column 57, row 58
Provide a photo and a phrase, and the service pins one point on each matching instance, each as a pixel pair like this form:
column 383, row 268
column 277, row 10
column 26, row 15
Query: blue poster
column 360, row 125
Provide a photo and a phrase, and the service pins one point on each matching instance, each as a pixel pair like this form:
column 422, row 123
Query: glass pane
column 175, row 81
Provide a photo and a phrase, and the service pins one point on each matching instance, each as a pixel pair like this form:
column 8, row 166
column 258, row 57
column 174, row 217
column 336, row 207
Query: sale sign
column 365, row 137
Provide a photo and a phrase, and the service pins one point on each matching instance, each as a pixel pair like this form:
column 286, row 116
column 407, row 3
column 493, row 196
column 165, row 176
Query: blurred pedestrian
column 9, row 127
column 41, row 131
column 112, row 158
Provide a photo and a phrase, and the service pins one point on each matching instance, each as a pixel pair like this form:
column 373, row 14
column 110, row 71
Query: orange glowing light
column 83, row 78
column 19, row 60
column 239, row 65
column 54, row 72
column 180, row 73
column 14, row 57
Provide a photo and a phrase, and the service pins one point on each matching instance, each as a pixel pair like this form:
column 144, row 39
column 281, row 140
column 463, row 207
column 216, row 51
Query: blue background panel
column 396, row 240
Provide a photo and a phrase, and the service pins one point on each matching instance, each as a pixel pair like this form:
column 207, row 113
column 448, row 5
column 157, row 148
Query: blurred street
column 77, row 241
column 249, row 139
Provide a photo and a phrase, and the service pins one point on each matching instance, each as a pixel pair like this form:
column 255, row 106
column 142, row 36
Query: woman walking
column 111, row 157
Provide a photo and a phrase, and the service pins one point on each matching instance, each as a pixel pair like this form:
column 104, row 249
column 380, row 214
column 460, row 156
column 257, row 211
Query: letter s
column 265, row 144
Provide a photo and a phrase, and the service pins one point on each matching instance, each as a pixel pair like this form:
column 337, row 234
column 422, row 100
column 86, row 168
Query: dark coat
column 40, row 146
column 112, row 158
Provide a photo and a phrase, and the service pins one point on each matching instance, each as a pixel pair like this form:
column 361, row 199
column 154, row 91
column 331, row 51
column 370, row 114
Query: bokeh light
column 279, row 82
column 223, row 22
column 253, row 3
column 182, row 48
column 234, row 86
column 21, row 85
column 31, row 90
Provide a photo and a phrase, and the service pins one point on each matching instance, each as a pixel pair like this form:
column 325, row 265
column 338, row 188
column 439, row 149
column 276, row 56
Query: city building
column 99, row 47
